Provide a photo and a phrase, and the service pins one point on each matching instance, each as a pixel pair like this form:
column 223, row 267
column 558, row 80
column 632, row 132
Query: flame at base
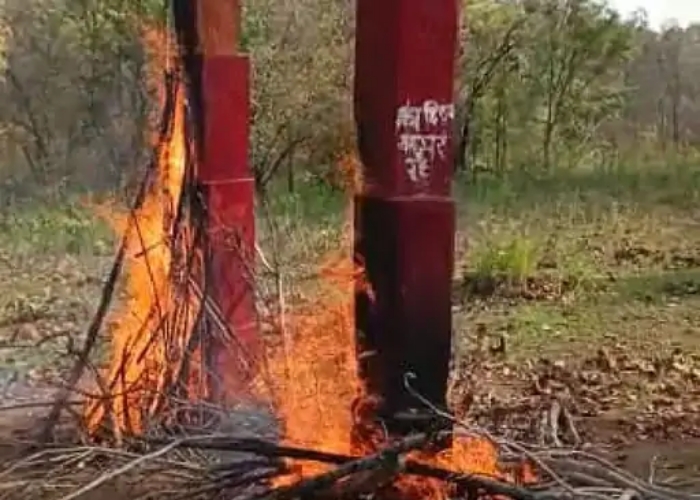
column 313, row 368
column 316, row 381
column 321, row 399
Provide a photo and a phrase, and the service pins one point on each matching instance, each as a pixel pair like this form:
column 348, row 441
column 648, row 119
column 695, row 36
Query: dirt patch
column 667, row 461
column 611, row 397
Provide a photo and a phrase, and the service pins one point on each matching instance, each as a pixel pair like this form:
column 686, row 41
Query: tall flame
column 136, row 359
column 140, row 360
column 313, row 367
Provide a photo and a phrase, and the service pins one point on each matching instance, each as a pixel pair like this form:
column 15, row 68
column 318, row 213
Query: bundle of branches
column 557, row 473
column 192, row 467
column 160, row 352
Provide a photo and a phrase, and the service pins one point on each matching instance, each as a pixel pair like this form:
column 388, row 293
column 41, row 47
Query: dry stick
column 287, row 340
column 569, row 421
column 119, row 379
column 177, row 330
column 484, row 433
column 622, row 482
column 107, row 406
column 387, row 459
column 134, row 388
column 182, row 370
column 162, row 317
column 388, row 463
column 611, row 472
column 619, row 472
column 147, row 262
column 259, row 447
column 95, row 325
column 554, row 416
column 217, row 316
column 228, row 470
column 581, row 479
column 169, row 326
column 489, row 485
column 629, row 495
column 165, row 134
column 36, row 404
column 231, row 481
column 121, row 470
column 227, row 442
column 411, row 467
column 109, row 395
column 479, row 482
column 282, row 316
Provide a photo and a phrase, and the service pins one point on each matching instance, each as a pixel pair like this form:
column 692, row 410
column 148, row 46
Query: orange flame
column 137, row 360
column 313, row 369
column 317, row 381
column 141, row 356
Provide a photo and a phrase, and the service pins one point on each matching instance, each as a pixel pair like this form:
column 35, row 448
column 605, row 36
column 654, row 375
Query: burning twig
column 587, row 472
column 386, row 464
column 483, row 433
column 470, row 482
column 90, row 341
column 112, row 279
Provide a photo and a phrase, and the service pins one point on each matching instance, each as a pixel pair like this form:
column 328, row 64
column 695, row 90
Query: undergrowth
column 69, row 227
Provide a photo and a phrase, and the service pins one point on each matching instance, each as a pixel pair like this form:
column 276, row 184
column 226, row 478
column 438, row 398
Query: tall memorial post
column 224, row 171
column 405, row 216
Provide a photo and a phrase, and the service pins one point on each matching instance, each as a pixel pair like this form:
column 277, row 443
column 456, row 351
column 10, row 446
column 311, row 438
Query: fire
column 316, row 380
column 142, row 355
column 467, row 455
column 314, row 370
column 313, row 364
column 136, row 359
column 319, row 394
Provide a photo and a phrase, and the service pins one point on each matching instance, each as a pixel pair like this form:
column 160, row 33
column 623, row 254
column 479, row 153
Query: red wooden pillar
column 230, row 188
column 405, row 217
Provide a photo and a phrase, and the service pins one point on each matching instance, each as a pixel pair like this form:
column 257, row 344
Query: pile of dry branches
column 183, row 321
column 220, row 465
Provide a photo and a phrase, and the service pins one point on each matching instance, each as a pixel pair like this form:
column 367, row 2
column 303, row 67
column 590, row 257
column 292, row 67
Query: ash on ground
column 244, row 419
